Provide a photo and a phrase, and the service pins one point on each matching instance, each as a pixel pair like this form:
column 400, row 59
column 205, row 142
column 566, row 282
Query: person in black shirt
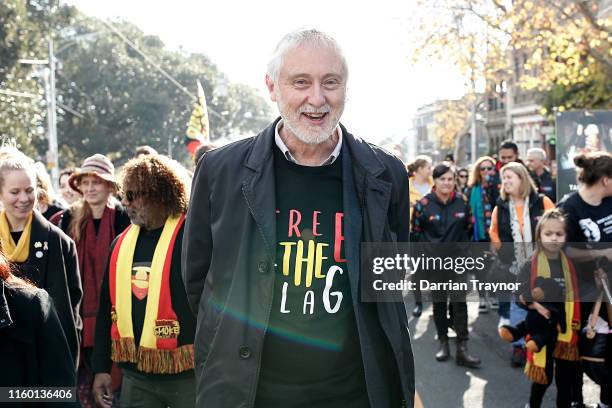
column 536, row 161
column 443, row 215
column 271, row 257
column 589, row 223
column 144, row 322
column 47, row 201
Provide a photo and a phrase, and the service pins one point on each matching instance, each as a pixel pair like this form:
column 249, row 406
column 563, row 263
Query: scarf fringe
column 535, row 373
column 160, row 361
column 566, row 351
column 123, row 350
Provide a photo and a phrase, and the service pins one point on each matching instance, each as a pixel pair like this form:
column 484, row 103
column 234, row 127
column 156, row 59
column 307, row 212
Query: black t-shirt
column 141, row 266
column 16, row 236
column 97, row 222
column 311, row 355
column 586, row 225
column 556, row 273
column 546, row 185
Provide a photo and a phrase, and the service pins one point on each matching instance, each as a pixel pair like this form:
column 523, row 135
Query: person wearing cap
column 93, row 223
column 40, row 252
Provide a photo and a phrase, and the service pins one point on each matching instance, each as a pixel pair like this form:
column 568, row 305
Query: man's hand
column 103, row 390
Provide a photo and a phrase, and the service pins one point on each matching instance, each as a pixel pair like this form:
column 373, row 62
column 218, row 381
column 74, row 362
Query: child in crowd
column 561, row 354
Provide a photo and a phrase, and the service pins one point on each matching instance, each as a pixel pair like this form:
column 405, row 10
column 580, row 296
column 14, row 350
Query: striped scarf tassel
column 161, row 361
column 535, row 373
column 566, row 351
column 123, row 350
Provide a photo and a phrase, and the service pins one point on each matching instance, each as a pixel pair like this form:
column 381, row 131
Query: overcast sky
column 385, row 89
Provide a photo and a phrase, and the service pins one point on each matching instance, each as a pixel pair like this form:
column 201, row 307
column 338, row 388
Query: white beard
column 303, row 133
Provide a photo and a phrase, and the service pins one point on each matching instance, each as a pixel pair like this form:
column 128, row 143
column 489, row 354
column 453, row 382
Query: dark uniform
column 546, row 184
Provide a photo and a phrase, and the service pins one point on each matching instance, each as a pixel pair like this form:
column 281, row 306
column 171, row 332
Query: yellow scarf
column 15, row 252
column 566, row 341
column 158, row 351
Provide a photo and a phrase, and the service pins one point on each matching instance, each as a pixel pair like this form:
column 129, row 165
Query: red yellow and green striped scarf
column 566, row 347
column 158, row 351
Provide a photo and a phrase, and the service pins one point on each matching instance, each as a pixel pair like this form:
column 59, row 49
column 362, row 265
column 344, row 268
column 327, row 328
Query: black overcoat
column 53, row 265
column 228, row 266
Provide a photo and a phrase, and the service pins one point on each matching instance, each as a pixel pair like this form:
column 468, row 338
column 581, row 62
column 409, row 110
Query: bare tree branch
column 585, row 10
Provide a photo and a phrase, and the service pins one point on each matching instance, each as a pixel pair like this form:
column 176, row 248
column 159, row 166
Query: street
column 495, row 384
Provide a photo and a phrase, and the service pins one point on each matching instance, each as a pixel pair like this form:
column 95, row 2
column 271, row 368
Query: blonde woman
column 40, row 252
column 514, row 220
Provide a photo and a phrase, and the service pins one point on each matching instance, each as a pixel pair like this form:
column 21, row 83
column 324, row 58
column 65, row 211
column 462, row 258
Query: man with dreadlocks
column 144, row 322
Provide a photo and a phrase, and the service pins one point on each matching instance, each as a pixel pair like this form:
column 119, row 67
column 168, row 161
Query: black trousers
column 442, row 303
column 568, row 379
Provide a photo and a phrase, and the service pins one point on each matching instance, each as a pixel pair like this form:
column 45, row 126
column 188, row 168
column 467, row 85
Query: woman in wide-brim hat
column 40, row 252
column 93, row 222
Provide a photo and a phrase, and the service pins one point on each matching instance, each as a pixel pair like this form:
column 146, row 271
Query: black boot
column 418, row 309
column 463, row 358
column 444, row 353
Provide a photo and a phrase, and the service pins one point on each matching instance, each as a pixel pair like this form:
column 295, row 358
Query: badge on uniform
column 167, row 329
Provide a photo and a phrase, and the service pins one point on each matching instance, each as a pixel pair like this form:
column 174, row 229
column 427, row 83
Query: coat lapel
column 374, row 192
column 258, row 188
column 352, row 221
column 39, row 250
column 365, row 199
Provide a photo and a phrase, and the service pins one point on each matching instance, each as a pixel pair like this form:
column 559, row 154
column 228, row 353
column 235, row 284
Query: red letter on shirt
column 293, row 223
column 338, row 238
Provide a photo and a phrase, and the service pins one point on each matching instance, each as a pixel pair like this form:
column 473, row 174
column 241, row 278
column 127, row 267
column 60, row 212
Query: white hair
column 541, row 153
column 310, row 36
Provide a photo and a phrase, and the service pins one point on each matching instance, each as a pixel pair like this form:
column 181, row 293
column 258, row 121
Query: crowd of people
column 506, row 200
column 238, row 284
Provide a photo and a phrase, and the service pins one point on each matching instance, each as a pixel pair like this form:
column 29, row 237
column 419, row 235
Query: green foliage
column 120, row 99
column 594, row 93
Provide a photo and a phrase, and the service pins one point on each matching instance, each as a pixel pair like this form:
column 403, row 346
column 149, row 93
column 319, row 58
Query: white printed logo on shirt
column 590, row 230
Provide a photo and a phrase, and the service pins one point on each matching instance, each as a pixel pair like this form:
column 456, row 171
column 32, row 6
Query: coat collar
column 360, row 150
column 359, row 158
column 39, row 249
column 261, row 152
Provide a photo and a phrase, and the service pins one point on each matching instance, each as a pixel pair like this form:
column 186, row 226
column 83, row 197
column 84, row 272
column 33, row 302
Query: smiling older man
column 271, row 256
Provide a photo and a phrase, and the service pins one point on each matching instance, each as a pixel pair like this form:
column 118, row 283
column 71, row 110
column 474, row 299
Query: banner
column 198, row 127
column 579, row 132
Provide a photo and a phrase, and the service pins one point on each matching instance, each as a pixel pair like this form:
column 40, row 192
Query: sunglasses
column 133, row 195
column 463, row 176
column 486, row 168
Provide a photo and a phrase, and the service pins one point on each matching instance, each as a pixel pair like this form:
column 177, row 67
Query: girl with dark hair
column 442, row 216
column 40, row 251
column 589, row 221
column 33, row 349
column 462, row 180
column 482, row 194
